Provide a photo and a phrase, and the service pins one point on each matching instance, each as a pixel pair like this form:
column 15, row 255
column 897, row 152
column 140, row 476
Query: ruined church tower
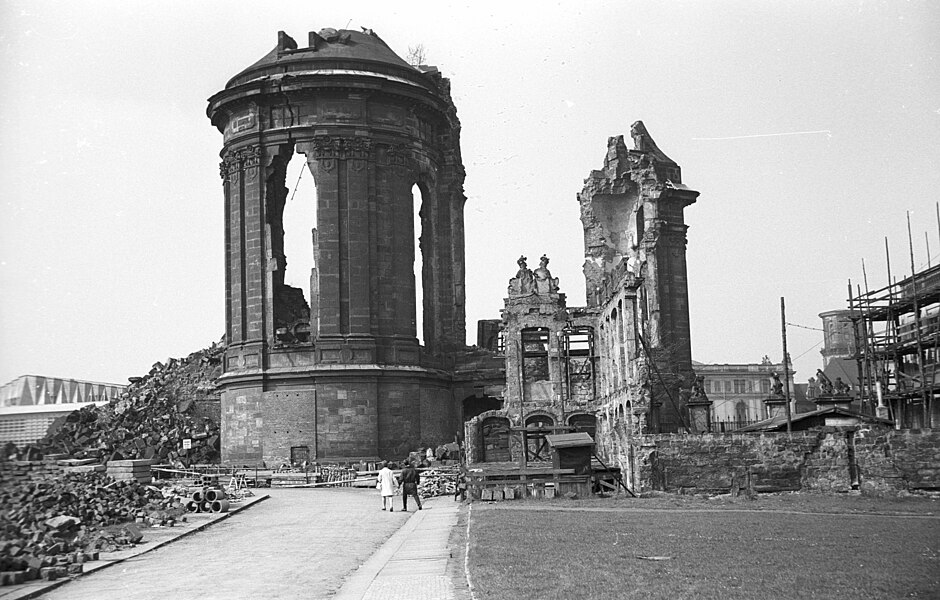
column 336, row 371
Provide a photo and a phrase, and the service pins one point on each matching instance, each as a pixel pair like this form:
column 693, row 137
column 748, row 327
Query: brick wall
column 242, row 423
column 290, row 420
column 874, row 460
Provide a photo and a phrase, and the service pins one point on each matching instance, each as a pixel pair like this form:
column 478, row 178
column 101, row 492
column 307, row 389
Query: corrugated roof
column 569, row 440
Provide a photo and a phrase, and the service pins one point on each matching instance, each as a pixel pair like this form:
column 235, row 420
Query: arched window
column 495, row 433
column 585, row 423
column 419, row 277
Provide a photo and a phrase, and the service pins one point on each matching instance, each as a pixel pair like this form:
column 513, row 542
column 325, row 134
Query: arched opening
column 536, row 442
column 740, row 413
column 477, row 405
column 291, row 203
column 495, row 432
column 300, row 222
column 586, row 423
column 417, row 232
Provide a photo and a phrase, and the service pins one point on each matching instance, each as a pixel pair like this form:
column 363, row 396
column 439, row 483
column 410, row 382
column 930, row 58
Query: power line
column 805, row 327
column 810, row 350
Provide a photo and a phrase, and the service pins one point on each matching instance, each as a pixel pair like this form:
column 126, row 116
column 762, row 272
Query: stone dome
column 329, row 52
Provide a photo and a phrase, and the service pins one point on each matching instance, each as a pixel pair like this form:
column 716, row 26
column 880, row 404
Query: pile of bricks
column 51, row 522
column 438, row 482
column 151, row 419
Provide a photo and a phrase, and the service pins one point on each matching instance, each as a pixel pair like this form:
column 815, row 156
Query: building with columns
column 336, row 371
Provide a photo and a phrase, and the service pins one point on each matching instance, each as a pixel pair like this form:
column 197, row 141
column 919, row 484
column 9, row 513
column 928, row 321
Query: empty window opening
column 300, row 222
column 586, row 423
column 537, row 448
column 578, row 348
column 479, row 404
column 417, row 231
column 294, row 241
column 495, row 437
column 535, row 354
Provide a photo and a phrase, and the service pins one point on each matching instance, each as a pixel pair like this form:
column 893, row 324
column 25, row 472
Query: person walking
column 409, row 485
column 460, row 490
column 386, row 485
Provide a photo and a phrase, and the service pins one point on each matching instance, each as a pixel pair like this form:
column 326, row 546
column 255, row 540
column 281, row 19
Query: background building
column 30, row 403
column 360, row 363
column 738, row 391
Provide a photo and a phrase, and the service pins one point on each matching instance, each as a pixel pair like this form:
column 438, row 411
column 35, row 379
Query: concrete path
column 417, row 563
column 300, row 543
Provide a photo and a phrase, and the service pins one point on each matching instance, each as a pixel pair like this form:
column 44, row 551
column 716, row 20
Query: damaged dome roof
column 327, row 49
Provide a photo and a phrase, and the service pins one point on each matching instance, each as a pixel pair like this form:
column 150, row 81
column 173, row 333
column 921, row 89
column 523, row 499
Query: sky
column 811, row 130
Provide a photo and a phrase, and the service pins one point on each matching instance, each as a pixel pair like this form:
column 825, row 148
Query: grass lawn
column 703, row 549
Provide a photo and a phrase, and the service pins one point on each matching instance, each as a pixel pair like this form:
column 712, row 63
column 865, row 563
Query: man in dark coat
column 409, row 485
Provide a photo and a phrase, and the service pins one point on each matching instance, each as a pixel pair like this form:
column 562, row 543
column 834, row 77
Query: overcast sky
column 809, row 128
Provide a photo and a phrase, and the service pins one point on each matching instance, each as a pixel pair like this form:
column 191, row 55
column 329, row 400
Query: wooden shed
column 572, row 451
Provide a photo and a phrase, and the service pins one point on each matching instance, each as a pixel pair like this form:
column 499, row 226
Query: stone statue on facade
column 776, row 388
column 524, row 281
column 544, row 283
column 825, row 384
column 698, row 390
column 840, row 388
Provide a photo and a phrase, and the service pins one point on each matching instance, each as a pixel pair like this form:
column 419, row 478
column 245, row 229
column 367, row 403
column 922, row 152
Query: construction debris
column 50, row 526
column 153, row 420
column 438, row 482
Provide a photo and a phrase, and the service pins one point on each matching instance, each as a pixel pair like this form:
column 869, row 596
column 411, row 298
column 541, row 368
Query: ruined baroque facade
column 621, row 365
column 336, row 370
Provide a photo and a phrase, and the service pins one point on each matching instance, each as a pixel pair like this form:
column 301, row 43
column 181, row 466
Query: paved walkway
column 417, row 563
column 300, row 543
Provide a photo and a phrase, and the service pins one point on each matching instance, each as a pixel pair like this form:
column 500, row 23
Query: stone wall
column 905, row 459
column 832, row 459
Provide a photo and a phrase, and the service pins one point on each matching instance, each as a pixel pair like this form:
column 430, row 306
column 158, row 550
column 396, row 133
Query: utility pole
column 786, row 363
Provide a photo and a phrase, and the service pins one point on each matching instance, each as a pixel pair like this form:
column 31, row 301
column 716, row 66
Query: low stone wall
column 907, row 459
column 872, row 459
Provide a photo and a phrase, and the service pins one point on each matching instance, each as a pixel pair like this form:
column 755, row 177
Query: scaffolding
column 897, row 334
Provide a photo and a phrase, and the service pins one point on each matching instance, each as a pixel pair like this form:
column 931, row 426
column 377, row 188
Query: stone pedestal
column 775, row 406
column 843, row 401
column 700, row 417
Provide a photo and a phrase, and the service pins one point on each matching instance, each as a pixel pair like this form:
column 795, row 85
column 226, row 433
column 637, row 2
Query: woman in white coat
column 386, row 485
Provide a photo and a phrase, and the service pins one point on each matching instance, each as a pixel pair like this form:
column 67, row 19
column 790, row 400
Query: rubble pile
column 50, row 526
column 151, row 419
column 438, row 482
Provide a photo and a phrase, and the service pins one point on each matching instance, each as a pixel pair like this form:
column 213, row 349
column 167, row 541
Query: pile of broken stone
column 50, row 526
column 150, row 420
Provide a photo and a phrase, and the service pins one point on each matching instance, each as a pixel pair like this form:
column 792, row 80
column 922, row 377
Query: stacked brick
column 438, row 482
column 130, row 470
column 152, row 418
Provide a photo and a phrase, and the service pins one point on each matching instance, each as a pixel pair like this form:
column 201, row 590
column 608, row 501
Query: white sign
column 187, row 444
